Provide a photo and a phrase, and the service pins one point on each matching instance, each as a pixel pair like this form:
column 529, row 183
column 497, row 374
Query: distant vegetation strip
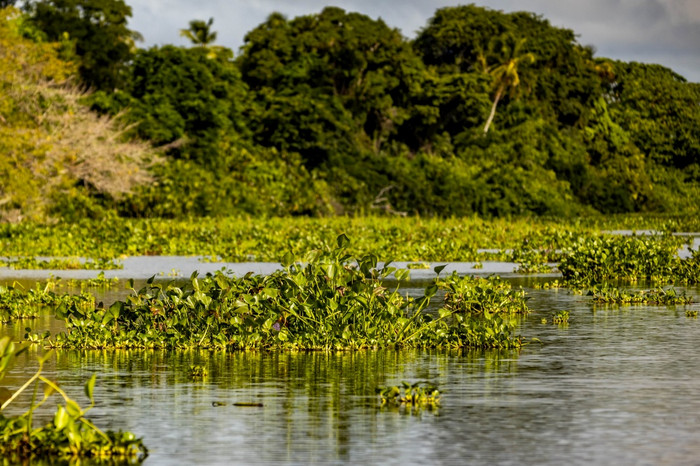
column 241, row 239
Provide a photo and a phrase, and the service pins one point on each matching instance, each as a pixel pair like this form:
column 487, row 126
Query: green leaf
column 90, row 387
column 402, row 275
column 73, row 409
column 61, row 418
column 343, row 241
column 287, row 260
column 439, row 269
column 48, row 390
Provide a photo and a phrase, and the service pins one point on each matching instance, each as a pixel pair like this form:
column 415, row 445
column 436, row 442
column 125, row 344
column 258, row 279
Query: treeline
column 483, row 112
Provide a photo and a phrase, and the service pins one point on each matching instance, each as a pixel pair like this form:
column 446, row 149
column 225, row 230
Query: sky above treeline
column 649, row 31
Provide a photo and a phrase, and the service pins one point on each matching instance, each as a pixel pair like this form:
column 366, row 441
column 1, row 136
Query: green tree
column 199, row 32
column 339, row 59
column 563, row 82
column 505, row 75
column 182, row 98
column 58, row 158
column 454, row 36
column 659, row 109
column 103, row 42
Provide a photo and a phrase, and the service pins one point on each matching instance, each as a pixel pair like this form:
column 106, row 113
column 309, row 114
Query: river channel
column 617, row 385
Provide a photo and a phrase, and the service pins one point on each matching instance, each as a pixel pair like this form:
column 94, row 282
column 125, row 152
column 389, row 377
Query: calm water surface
column 618, row 385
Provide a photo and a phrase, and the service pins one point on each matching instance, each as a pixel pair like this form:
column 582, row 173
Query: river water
column 617, row 385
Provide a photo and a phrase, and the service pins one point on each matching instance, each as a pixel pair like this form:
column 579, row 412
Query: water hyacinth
column 332, row 300
column 600, row 259
column 18, row 303
column 663, row 296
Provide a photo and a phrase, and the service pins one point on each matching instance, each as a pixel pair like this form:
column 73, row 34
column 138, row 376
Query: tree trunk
column 499, row 93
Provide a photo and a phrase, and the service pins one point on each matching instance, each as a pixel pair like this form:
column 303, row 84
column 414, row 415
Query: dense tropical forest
column 484, row 112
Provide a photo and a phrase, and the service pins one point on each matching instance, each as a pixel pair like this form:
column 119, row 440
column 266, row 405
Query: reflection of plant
column 198, row 372
column 555, row 285
column 410, row 395
column 561, row 317
column 69, row 435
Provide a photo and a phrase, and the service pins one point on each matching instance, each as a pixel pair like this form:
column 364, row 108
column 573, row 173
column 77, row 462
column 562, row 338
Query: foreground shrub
column 69, row 436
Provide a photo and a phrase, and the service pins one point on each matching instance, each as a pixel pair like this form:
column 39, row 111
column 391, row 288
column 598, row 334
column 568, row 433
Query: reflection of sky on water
column 164, row 267
column 618, row 385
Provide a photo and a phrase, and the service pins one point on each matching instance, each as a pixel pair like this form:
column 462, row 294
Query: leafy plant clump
column 18, row 303
column 100, row 282
column 409, row 395
column 665, row 296
column 561, row 317
column 331, row 301
column 478, row 296
column 534, row 258
column 70, row 435
column 607, row 258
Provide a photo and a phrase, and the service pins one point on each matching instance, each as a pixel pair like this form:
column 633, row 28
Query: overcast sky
column 650, row 31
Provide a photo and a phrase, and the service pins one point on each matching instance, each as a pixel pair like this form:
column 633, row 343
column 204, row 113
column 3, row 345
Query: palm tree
column 505, row 75
column 200, row 33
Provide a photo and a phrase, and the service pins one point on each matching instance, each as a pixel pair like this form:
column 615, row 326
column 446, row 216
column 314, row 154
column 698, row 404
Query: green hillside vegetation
column 483, row 113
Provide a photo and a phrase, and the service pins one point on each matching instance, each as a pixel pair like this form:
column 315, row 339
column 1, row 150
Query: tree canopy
column 484, row 112
column 98, row 31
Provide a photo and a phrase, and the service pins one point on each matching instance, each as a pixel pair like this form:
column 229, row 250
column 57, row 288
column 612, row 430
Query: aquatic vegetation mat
column 70, row 435
column 17, row 303
column 269, row 239
column 32, row 263
column 608, row 258
column 665, row 296
column 332, row 300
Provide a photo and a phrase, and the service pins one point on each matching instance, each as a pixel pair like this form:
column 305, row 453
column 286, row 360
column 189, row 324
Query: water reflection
column 618, row 385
